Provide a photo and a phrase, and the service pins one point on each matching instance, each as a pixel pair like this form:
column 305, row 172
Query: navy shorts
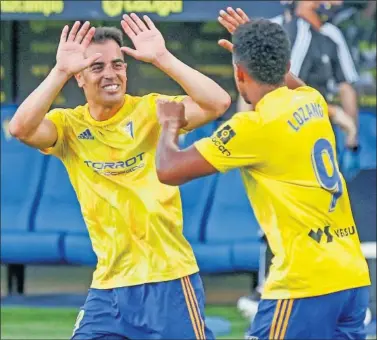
column 338, row 315
column 164, row 310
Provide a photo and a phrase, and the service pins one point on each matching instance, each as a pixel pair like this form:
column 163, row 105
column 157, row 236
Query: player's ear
column 79, row 79
column 239, row 73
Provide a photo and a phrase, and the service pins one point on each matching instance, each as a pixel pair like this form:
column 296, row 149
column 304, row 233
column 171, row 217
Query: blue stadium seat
column 368, row 140
column 22, row 170
column 31, row 248
column 196, row 198
column 204, row 131
column 58, row 210
column 213, row 258
column 231, row 218
column 232, row 222
column 78, row 250
column 245, row 256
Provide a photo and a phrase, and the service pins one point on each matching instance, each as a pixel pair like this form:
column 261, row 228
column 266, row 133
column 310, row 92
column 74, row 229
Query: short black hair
column 103, row 34
column 263, row 48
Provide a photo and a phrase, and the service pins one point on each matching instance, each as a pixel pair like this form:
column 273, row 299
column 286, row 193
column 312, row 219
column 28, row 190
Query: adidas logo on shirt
column 85, row 135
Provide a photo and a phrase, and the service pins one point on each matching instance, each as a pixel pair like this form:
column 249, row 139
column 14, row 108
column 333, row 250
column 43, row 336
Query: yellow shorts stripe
column 190, row 309
column 201, row 321
column 273, row 324
column 281, row 318
column 286, row 319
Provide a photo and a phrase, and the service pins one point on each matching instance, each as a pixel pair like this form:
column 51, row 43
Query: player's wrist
column 60, row 74
column 171, row 126
column 163, row 60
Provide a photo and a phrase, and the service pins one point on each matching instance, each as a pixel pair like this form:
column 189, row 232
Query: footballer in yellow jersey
column 146, row 284
column 317, row 287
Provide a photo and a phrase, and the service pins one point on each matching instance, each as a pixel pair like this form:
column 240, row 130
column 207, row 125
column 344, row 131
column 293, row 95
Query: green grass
column 57, row 323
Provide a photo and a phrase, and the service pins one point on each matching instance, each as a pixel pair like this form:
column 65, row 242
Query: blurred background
column 46, row 256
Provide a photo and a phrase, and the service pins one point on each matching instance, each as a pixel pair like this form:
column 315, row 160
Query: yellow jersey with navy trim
column 135, row 222
column 286, row 153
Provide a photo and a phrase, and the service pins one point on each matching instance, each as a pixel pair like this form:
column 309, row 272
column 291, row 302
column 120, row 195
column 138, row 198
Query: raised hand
column 147, row 39
column 171, row 112
column 231, row 19
column 70, row 57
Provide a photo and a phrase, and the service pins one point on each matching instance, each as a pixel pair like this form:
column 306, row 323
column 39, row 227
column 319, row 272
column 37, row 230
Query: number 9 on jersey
column 329, row 180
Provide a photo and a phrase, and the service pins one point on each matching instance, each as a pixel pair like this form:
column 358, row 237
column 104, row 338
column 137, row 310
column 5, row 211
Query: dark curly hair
column 103, row 34
column 263, row 48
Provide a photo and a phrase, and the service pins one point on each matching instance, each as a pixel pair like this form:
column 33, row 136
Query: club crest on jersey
column 129, row 128
column 85, row 135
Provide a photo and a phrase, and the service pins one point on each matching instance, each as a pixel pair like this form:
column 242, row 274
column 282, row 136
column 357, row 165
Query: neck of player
column 102, row 112
column 256, row 93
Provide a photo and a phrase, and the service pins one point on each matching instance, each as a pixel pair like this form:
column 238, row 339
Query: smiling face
column 105, row 81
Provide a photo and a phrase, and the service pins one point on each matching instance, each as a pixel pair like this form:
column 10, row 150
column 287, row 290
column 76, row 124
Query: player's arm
column 225, row 150
column 307, row 11
column 29, row 124
column 175, row 166
column 345, row 75
column 206, row 100
column 345, row 71
column 231, row 19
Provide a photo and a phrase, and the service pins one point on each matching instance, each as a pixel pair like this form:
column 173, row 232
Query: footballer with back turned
column 317, row 287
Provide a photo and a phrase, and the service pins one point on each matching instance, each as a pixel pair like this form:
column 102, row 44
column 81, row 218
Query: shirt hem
column 150, row 279
column 274, row 295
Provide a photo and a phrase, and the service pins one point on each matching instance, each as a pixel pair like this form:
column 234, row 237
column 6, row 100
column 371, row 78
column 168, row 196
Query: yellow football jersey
column 285, row 150
column 134, row 222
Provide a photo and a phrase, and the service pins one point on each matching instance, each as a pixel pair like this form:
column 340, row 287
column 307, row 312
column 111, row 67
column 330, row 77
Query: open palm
column 147, row 39
column 70, row 56
column 231, row 19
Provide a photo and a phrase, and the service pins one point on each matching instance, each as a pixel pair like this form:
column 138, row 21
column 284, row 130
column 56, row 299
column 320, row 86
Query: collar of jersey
column 275, row 93
column 123, row 111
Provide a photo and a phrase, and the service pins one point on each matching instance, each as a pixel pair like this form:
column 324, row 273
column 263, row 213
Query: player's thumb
column 131, row 52
column 226, row 44
column 92, row 59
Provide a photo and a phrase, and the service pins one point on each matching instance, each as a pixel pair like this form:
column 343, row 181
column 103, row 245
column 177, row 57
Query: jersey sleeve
column 58, row 118
column 237, row 143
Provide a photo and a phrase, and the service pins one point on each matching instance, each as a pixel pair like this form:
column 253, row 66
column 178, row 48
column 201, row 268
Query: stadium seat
column 31, row 248
column 22, row 170
column 196, row 198
column 78, row 250
column 231, row 218
column 245, row 256
column 185, row 140
column 367, row 139
column 59, row 213
column 58, row 210
column 214, row 258
column 232, row 222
